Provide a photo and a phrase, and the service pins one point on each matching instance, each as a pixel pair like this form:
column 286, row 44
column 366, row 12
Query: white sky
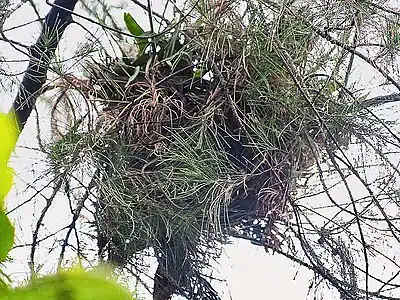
column 249, row 271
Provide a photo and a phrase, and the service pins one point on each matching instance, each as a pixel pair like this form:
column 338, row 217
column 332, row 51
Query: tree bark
column 41, row 54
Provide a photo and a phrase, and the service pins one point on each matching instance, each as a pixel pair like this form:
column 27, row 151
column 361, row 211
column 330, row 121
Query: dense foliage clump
column 203, row 131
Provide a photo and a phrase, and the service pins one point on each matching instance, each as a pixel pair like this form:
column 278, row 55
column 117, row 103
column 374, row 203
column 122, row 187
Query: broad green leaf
column 6, row 181
column 8, row 137
column 3, row 286
column 133, row 27
column 75, row 284
column 7, row 235
column 143, row 43
column 4, row 281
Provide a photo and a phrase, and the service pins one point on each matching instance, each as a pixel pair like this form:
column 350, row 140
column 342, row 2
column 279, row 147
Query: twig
column 75, row 215
column 34, row 7
column 39, row 223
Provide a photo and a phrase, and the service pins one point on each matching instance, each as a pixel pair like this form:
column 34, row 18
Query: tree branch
column 380, row 100
column 41, row 53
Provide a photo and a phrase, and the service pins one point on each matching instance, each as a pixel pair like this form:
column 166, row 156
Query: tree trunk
column 41, row 54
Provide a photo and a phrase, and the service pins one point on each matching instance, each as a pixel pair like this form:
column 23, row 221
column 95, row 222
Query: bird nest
column 195, row 143
column 186, row 140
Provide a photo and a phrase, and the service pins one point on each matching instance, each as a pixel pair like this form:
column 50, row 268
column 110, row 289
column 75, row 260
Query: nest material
column 161, row 123
column 168, row 124
column 151, row 117
column 187, row 159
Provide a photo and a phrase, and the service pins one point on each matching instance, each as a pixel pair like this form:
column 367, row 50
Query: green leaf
column 7, row 235
column 69, row 285
column 132, row 25
column 6, row 181
column 135, row 29
column 5, row 281
column 198, row 73
column 142, row 43
column 8, row 135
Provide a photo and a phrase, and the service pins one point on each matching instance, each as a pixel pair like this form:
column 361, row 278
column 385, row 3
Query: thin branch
column 75, row 215
column 35, row 9
column 39, row 223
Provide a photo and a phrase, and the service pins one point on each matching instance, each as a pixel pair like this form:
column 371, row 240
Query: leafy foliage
column 135, row 29
column 7, row 235
column 74, row 284
column 8, row 136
